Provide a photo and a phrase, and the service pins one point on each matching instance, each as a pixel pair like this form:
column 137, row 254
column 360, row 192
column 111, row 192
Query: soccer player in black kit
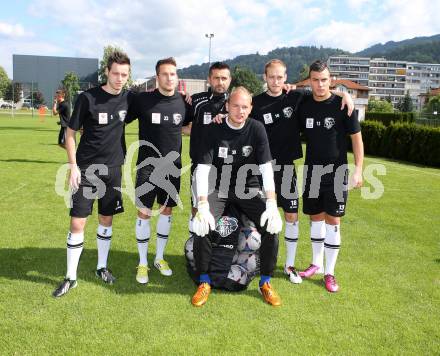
column 161, row 113
column 239, row 150
column 61, row 108
column 205, row 107
column 326, row 180
column 277, row 110
column 95, row 168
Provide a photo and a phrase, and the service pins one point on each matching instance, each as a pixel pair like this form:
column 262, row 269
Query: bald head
column 240, row 91
column 239, row 106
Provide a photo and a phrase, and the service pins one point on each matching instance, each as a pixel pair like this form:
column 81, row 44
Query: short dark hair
column 118, row 57
column 218, row 65
column 61, row 92
column 169, row 60
column 318, row 66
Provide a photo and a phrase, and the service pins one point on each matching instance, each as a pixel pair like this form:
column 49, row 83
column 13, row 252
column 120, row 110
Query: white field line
column 16, row 189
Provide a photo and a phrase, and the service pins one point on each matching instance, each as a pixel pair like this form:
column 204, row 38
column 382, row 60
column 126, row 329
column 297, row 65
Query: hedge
column 386, row 118
column 403, row 141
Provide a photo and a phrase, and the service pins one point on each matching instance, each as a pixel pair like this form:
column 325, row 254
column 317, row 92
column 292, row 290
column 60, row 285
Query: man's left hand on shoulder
column 347, row 100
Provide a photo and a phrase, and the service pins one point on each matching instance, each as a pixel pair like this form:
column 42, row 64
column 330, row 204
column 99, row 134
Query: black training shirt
column 326, row 127
column 226, row 148
column 205, row 106
column 160, row 123
column 279, row 117
column 63, row 109
column 102, row 116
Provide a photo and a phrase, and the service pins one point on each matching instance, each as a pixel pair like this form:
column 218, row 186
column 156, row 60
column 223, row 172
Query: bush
column 387, row 118
column 372, row 134
column 403, row 141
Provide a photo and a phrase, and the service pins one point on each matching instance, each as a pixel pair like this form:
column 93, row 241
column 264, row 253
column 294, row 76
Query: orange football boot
column 269, row 295
column 201, row 295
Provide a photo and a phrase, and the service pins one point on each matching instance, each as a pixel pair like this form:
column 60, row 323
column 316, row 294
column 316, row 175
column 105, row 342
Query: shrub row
column 403, row 141
column 386, row 118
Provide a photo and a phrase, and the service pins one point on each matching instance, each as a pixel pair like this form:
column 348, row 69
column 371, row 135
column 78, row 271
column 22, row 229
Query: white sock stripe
column 71, row 246
column 143, row 241
column 335, row 247
column 315, row 240
column 290, row 239
column 160, row 236
column 102, row 237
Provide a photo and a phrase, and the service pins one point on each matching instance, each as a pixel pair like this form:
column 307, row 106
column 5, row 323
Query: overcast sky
column 153, row 29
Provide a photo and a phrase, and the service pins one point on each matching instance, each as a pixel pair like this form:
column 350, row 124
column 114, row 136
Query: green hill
column 418, row 49
column 294, row 57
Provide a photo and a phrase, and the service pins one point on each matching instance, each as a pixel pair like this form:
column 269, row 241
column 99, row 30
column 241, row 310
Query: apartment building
column 356, row 69
column 388, row 79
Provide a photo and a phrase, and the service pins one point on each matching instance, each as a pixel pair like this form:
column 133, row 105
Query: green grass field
column 388, row 269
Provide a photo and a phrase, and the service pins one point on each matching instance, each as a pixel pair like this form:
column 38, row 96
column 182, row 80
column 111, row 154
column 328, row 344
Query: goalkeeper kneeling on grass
column 239, row 151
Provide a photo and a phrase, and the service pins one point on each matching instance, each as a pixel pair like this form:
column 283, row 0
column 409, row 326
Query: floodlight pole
column 13, row 100
column 32, row 98
column 209, row 36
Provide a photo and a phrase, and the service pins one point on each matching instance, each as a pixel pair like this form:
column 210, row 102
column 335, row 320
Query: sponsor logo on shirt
column 246, row 151
column 268, row 118
column 103, row 118
column 309, row 123
column 122, row 114
column 177, row 119
column 155, row 118
column 226, row 226
column 329, row 122
column 288, row 112
column 223, row 152
column 207, row 118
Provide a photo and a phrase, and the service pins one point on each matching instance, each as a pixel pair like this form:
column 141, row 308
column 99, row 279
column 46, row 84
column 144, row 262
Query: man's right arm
column 203, row 221
column 54, row 108
column 79, row 114
column 75, row 174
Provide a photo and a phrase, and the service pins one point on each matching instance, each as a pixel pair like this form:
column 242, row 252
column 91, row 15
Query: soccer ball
column 189, row 252
column 249, row 261
column 238, row 274
column 249, row 240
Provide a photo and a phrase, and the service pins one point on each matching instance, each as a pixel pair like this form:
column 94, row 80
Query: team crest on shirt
column 309, row 123
column 246, row 151
column 226, row 226
column 122, row 114
column 329, row 122
column 177, row 118
column 288, row 112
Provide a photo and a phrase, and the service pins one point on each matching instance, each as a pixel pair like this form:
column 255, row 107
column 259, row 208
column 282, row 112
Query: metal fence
column 427, row 122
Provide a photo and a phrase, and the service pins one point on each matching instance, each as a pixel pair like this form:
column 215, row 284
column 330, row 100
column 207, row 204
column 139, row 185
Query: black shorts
column 286, row 189
column 104, row 187
column 152, row 184
column 62, row 136
column 329, row 196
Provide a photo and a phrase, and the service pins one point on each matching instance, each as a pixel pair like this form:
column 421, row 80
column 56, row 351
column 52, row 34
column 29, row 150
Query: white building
column 386, row 78
column 355, row 69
